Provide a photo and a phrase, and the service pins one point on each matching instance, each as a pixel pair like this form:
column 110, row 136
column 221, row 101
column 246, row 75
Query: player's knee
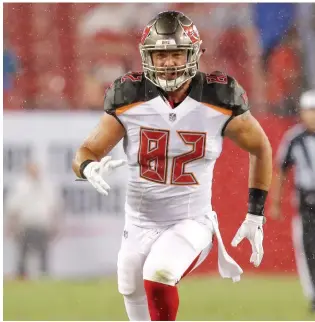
column 159, row 273
column 129, row 273
column 135, row 298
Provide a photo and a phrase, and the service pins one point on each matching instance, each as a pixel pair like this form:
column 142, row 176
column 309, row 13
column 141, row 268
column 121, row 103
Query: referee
column 297, row 150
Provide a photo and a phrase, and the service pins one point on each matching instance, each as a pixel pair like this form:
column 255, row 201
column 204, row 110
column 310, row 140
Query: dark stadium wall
column 230, row 202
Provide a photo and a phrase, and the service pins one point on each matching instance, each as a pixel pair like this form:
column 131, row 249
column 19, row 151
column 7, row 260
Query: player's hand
column 252, row 229
column 95, row 171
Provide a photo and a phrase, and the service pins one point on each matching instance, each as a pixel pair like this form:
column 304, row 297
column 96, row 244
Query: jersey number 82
column 153, row 156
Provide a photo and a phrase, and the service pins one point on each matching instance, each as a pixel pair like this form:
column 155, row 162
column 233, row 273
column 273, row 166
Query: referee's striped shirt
column 298, row 149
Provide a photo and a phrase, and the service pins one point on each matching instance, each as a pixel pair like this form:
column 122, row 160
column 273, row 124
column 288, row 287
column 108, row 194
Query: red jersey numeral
column 198, row 141
column 134, row 77
column 216, row 78
column 153, row 156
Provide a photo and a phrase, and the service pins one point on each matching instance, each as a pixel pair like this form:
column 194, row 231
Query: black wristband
column 82, row 167
column 256, row 201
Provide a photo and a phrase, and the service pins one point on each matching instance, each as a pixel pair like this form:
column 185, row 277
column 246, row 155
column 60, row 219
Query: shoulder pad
column 224, row 91
column 125, row 90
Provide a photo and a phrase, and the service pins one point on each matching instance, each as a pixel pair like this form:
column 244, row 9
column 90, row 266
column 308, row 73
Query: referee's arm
column 284, row 162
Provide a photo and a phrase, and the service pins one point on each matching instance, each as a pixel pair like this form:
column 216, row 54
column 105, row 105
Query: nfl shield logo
column 172, row 117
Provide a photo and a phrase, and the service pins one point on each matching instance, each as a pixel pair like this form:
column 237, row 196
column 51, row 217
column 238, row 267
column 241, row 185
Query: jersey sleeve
column 109, row 105
column 238, row 101
column 225, row 92
column 123, row 92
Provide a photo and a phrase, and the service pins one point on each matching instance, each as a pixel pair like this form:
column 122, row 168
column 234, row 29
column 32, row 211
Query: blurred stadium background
column 58, row 60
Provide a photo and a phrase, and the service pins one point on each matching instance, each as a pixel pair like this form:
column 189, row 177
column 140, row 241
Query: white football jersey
column 172, row 152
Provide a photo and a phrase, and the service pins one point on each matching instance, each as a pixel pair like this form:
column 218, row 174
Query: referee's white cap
column 307, row 100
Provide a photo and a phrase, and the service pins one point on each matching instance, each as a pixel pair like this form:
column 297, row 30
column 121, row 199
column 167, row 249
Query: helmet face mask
column 170, row 31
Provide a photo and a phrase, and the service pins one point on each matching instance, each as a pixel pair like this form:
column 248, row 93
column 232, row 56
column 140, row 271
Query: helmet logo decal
column 192, row 32
column 145, row 34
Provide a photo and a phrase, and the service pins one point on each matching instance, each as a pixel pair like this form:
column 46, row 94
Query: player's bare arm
column 245, row 131
column 91, row 161
column 99, row 142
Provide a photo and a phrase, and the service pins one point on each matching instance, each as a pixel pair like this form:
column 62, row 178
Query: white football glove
column 252, row 229
column 95, row 171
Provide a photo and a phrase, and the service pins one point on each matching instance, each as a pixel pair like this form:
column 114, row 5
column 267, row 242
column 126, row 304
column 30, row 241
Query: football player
column 172, row 119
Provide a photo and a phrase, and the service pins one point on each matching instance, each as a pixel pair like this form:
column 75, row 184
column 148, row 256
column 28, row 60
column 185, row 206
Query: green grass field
column 269, row 298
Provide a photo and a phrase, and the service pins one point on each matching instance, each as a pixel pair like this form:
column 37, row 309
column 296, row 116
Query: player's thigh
column 199, row 259
column 179, row 249
column 135, row 246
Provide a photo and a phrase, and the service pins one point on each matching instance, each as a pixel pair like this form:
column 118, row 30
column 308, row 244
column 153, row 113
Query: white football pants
column 161, row 255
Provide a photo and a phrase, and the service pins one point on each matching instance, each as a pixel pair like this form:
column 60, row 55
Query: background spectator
column 284, row 75
column 33, row 210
